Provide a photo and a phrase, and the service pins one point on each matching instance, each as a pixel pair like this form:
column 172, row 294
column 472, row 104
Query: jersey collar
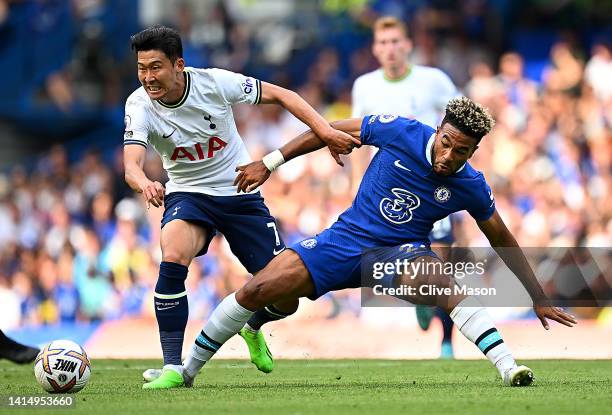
column 428, row 148
column 401, row 78
column 185, row 93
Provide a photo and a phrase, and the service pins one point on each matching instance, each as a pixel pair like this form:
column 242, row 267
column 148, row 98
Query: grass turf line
column 334, row 387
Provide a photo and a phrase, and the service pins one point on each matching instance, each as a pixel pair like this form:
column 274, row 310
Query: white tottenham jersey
column 197, row 137
column 422, row 94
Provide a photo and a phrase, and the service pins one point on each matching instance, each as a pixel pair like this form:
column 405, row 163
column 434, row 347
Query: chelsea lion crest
column 442, row 194
column 387, row 118
column 309, row 243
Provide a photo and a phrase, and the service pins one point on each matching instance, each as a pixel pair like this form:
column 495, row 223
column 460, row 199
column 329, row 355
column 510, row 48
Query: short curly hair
column 470, row 118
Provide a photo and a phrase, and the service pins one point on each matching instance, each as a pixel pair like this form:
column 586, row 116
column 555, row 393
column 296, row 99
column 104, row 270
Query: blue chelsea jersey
column 400, row 196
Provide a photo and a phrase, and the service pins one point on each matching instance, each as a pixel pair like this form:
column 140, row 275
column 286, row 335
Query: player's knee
column 443, row 292
column 177, row 257
column 441, row 280
column 253, row 295
column 289, row 306
column 428, row 289
column 414, row 284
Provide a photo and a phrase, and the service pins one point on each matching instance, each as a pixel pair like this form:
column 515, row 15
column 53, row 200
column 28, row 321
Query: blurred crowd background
column 76, row 244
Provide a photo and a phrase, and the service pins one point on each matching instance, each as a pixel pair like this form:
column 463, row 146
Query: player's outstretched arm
column 508, row 249
column 133, row 161
column 255, row 174
column 338, row 141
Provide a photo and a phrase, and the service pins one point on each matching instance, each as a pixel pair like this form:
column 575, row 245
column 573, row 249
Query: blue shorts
column 334, row 259
column 244, row 220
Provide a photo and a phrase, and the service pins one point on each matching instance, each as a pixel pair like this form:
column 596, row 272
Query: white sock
column 177, row 368
column 225, row 321
column 476, row 324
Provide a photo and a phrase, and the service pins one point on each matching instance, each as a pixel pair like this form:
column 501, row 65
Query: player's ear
column 179, row 64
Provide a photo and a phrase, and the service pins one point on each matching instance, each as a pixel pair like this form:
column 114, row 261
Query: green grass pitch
column 335, row 386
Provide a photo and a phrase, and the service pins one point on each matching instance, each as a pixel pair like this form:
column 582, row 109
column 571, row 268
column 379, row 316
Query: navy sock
column 171, row 310
column 447, row 325
column 265, row 315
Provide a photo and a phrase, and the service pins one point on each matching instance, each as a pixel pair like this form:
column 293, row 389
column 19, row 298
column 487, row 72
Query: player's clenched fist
column 340, row 142
column 153, row 193
column 251, row 176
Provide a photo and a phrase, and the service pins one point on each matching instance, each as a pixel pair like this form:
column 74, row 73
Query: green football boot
column 168, row 379
column 258, row 349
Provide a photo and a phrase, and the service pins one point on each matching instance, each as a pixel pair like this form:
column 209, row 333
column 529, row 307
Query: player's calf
column 171, row 310
column 284, row 278
column 428, row 286
column 270, row 313
column 226, row 320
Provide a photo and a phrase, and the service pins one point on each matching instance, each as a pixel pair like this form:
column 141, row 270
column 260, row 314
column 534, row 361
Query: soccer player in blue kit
column 418, row 176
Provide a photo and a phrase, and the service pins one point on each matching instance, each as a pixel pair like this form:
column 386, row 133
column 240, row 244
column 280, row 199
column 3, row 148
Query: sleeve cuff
column 258, row 95
column 141, row 143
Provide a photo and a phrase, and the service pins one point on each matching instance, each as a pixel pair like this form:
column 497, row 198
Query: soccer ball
column 62, row 366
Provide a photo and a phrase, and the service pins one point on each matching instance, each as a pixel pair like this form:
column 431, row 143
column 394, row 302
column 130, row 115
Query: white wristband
column 273, row 160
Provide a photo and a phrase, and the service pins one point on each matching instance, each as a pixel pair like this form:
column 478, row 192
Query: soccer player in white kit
column 185, row 114
column 413, row 91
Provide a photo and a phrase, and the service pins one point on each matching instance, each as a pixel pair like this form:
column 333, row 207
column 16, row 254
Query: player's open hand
column 340, row 142
column 251, row 176
column 554, row 313
column 153, row 193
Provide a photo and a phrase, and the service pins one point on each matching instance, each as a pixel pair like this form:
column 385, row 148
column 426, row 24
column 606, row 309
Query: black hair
column 470, row 118
column 159, row 37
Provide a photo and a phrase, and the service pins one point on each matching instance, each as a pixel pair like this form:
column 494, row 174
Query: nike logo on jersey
column 166, row 308
column 399, row 165
column 275, row 252
column 166, row 136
